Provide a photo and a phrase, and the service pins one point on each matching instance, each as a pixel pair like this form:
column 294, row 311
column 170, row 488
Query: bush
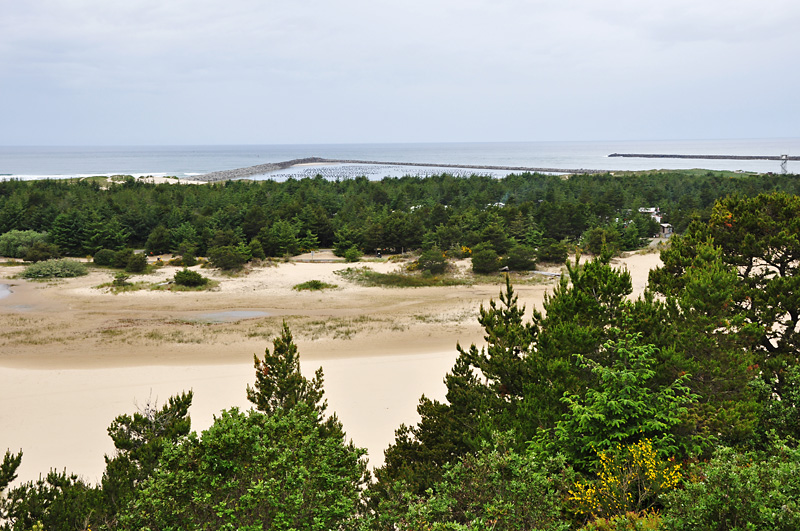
column 352, row 254
column 313, row 285
column 553, row 251
column 433, row 261
column 627, row 522
column 190, row 278
column 40, row 251
column 60, row 268
column 484, row 259
column 227, row 257
column 121, row 280
column 121, row 258
column 631, row 479
column 521, row 258
column 136, row 263
column 15, row 243
column 740, row 491
column 104, row 257
column 595, row 239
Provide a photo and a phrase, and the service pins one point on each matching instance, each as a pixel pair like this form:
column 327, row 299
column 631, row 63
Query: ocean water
column 31, row 162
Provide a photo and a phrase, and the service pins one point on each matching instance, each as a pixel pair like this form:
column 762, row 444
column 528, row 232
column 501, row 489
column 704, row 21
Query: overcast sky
column 112, row 72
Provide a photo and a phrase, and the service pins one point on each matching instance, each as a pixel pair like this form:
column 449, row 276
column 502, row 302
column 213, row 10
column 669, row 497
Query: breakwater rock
column 261, row 169
column 706, row 157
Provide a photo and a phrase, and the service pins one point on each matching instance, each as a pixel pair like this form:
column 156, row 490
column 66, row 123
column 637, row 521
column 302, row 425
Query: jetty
column 262, row 169
column 706, row 157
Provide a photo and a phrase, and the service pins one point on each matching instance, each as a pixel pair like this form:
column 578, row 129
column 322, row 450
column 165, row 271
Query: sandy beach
column 72, row 356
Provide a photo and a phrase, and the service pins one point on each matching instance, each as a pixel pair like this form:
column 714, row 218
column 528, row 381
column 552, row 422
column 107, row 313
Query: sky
column 188, row 72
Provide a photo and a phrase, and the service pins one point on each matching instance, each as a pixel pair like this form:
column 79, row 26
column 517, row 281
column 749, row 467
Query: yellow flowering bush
column 630, row 479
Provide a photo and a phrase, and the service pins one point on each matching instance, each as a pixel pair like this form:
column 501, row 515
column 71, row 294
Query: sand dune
column 72, row 356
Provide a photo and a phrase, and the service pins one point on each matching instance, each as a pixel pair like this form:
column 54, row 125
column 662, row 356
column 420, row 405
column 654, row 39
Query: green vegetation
column 675, row 410
column 56, row 268
column 355, row 217
column 367, row 277
column 314, row 285
column 189, row 278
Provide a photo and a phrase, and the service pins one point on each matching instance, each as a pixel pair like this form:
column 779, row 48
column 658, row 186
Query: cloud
column 371, row 70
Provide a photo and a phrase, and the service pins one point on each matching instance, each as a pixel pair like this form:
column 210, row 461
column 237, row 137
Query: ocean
column 29, row 162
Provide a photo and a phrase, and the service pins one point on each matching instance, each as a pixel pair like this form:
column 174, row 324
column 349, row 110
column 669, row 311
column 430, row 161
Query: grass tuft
column 314, row 285
column 367, row 277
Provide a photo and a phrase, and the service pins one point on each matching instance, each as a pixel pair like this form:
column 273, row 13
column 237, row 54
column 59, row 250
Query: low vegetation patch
column 59, row 268
column 367, row 277
column 189, row 278
column 314, row 285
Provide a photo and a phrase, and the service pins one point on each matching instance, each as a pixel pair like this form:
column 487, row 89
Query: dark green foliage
column 122, row 257
column 159, row 241
column 8, row 469
column 485, row 259
column 433, row 261
column 313, row 285
column 780, row 414
column 739, row 492
column 228, row 258
column 186, row 277
column 253, row 471
column 495, row 489
column 59, row 501
column 353, row 254
column 104, row 257
column 598, row 239
column 279, row 383
column 40, row 251
column 256, row 250
column 140, row 441
column 623, row 407
column 121, row 280
column 137, row 263
column 521, row 258
column 552, row 251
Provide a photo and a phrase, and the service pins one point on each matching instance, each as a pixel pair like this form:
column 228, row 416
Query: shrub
column 521, row 258
column 190, row 278
column 15, row 243
column 595, row 239
column 121, row 280
column 352, row 254
column 136, row 263
column 630, row 479
column 433, row 261
column 313, row 285
column 227, row 257
column 627, row 522
column 497, row 489
column 740, row 491
column 552, row 251
column 484, row 259
column 121, row 258
column 104, row 257
column 60, row 268
column 41, row 250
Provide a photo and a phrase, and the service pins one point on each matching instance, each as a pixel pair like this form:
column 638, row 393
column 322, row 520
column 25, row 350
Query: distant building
column 654, row 212
column 666, row 230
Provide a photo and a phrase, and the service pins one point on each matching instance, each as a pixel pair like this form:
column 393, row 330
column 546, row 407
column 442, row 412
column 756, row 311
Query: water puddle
column 5, row 291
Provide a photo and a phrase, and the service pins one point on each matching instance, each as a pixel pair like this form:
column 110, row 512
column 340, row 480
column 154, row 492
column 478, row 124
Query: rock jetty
column 261, row 169
column 707, row 157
